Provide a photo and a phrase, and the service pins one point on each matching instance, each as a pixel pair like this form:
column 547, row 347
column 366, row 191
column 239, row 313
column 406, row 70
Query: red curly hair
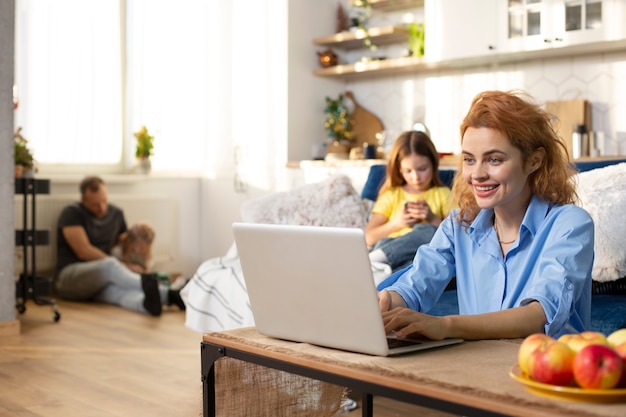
column 528, row 127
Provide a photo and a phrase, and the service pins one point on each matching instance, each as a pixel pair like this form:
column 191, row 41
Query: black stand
column 29, row 285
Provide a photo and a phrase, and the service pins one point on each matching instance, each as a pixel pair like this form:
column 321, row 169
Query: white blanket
column 216, row 296
column 602, row 193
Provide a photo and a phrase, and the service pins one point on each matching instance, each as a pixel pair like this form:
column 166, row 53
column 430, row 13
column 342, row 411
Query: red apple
column 580, row 340
column 597, row 367
column 552, row 363
column 529, row 344
column 621, row 351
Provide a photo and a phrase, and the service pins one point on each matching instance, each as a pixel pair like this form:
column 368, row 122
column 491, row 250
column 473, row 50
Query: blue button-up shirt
column 550, row 262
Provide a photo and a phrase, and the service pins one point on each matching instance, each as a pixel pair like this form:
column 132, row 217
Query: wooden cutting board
column 570, row 113
column 365, row 124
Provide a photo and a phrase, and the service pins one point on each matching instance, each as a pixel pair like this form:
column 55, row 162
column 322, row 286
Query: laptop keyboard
column 396, row 343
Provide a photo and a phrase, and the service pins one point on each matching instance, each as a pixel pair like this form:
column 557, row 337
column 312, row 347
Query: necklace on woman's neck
column 495, row 226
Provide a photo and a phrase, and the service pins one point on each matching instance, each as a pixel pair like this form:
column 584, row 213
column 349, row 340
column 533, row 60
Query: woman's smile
column 485, row 191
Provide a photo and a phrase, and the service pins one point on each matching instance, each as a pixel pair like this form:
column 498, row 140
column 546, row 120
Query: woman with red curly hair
column 520, row 250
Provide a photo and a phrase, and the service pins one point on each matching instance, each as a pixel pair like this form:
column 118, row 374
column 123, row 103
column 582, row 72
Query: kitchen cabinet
column 546, row 24
column 460, row 28
column 463, row 34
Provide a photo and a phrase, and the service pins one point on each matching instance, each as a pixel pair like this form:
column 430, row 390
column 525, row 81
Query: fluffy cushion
column 332, row 202
column 602, row 193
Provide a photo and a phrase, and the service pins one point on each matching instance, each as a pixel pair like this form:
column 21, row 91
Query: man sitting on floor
column 87, row 232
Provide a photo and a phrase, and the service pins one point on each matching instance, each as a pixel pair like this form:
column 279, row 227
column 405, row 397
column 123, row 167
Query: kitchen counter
column 445, row 162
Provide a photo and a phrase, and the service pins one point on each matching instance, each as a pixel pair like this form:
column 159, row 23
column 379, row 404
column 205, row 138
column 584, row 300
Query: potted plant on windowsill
column 24, row 160
column 144, row 149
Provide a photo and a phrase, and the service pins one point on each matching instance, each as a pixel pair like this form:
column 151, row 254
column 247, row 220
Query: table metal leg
column 367, row 405
column 208, row 355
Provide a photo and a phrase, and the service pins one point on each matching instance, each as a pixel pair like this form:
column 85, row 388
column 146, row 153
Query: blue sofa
column 608, row 305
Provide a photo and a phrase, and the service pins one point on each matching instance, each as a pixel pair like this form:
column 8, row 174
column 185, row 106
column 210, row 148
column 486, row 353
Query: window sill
column 74, row 179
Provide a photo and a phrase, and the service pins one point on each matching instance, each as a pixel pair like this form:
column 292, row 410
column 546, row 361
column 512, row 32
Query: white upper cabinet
column 532, row 25
column 465, row 33
column 458, row 29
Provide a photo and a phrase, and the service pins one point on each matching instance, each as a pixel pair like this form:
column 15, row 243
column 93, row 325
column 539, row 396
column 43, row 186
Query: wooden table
column 469, row 379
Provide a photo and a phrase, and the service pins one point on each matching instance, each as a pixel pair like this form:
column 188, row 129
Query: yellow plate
column 568, row 393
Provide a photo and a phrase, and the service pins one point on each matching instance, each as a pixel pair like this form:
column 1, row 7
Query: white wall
column 298, row 122
column 307, row 93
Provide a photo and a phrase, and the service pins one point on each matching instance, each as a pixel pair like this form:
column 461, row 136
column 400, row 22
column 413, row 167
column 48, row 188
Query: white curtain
column 206, row 77
column 69, row 80
column 168, row 52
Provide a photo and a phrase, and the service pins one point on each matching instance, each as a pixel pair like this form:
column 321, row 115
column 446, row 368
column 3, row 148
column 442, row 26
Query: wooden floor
column 104, row 361
column 100, row 360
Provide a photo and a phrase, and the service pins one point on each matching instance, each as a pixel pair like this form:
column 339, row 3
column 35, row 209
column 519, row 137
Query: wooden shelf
column 353, row 40
column 421, row 64
column 385, row 66
column 392, row 5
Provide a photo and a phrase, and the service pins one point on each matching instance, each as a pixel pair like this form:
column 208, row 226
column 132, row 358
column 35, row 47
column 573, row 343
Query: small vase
column 144, row 165
column 19, row 171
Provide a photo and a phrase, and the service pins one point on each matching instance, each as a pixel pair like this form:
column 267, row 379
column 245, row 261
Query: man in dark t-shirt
column 102, row 233
column 87, row 232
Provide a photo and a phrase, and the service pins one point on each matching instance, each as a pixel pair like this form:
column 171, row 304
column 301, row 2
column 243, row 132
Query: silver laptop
column 315, row 285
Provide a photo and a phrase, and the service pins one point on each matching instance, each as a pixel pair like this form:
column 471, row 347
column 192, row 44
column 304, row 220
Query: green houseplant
column 145, row 144
column 416, row 39
column 338, row 123
column 144, row 150
column 338, row 126
column 23, row 156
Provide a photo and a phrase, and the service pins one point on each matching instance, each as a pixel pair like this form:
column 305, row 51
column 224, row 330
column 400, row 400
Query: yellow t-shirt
column 391, row 203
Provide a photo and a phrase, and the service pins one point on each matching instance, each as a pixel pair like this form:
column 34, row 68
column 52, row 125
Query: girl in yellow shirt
column 411, row 203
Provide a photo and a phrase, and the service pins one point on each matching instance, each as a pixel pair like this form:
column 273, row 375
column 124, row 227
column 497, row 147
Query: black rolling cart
column 30, row 285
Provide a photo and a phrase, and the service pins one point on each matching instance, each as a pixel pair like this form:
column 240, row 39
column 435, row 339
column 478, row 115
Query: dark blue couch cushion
column 374, row 181
column 608, row 312
column 376, row 177
column 589, row 165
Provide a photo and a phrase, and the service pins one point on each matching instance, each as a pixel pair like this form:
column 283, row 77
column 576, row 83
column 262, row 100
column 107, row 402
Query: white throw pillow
column 331, row 202
column 602, row 193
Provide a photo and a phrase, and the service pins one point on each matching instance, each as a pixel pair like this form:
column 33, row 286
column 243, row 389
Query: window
column 204, row 76
column 68, row 80
column 168, row 52
column 89, row 74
